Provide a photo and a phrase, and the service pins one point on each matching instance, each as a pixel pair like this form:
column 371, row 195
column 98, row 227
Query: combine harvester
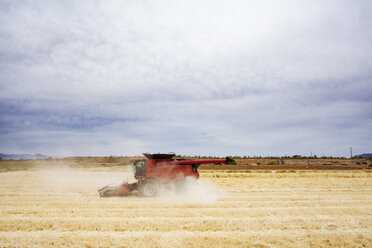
column 159, row 170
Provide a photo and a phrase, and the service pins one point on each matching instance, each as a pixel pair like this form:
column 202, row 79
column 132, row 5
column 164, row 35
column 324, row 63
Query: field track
column 61, row 208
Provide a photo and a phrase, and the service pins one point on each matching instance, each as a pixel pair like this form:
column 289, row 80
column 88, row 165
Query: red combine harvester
column 157, row 170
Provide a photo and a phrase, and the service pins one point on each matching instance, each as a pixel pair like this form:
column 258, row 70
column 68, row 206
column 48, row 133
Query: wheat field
column 61, row 208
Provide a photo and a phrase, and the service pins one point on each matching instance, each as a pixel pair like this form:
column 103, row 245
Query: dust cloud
column 191, row 191
column 65, row 178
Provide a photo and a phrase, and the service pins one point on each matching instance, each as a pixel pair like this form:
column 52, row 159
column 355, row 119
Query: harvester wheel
column 149, row 187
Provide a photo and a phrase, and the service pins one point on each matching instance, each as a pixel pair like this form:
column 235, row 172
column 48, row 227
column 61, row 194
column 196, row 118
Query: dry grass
column 61, row 208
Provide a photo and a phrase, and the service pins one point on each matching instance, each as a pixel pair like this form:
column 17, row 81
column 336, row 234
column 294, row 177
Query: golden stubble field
column 60, row 207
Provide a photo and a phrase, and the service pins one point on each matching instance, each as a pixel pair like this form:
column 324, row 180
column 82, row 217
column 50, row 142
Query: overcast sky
column 190, row 77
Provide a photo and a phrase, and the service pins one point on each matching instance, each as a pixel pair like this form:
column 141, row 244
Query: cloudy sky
column 190, row 77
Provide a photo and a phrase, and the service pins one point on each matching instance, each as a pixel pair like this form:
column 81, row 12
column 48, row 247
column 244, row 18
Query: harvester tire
column 149, row 187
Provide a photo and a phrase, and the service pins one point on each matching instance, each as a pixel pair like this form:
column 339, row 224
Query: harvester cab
column 158, row 170
column 139, row 167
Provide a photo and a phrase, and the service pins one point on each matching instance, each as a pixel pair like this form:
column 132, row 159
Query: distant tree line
column 264, row 157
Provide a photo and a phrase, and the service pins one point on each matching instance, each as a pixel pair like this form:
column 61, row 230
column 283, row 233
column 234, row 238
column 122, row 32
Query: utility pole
column 351, row 152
